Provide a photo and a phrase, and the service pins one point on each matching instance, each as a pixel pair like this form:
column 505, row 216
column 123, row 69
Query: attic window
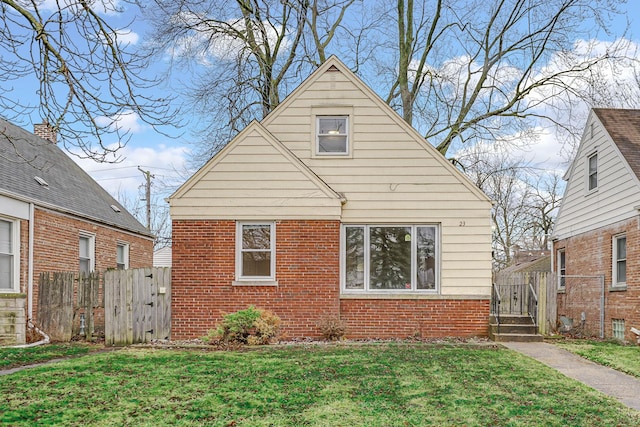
column 115, row 208
column 332, row 135
column 41, row 181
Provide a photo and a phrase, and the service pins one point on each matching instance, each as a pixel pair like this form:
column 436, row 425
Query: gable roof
column 325, row 196
column 64, row 186
column 333, row 64
column 623, row 126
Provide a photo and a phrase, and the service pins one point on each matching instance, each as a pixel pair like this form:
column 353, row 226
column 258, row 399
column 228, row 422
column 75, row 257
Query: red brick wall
column 56, row 246
column 424, row 318
column 591, row 254
column 307, row 271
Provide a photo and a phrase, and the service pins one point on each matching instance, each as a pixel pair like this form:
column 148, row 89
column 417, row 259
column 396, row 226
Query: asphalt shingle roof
column 624, row 128
column 25, row 156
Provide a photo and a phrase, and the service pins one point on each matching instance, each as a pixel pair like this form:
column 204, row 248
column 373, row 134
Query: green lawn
column 336, row 385
column 13, row 357
column 624, row 358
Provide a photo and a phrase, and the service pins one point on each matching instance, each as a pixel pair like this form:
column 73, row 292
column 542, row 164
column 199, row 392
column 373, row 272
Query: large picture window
column 9, row 255
column 255, row 251
column 390, row 258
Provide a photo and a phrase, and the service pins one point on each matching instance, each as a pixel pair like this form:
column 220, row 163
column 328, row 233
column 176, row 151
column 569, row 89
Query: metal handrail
column 533, row 305
column 496, row 300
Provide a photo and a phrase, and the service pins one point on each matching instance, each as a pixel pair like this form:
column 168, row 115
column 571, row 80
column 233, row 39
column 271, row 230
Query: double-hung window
column 255, row 249
column 592, row 171
column 384, row 258
column 86, row 250
column 333, row 135
column 562, row 269
column 619, row 261
column 122, row 256
column 9, row 255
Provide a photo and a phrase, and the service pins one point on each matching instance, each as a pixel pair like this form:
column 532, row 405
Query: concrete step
column 513, row 329
column 516, row 337
column 512, row 319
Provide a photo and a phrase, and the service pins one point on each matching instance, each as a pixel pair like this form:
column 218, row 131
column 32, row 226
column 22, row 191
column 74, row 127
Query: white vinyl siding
column 9, row 255
column 618, row 190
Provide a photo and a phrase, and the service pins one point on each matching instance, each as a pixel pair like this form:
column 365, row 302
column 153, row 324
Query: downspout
column 30, row 264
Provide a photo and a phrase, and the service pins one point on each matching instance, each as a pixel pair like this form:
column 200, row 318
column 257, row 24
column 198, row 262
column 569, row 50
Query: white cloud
column 207, row 42
column 127, row 122
column 127, row 37
column 105, row 7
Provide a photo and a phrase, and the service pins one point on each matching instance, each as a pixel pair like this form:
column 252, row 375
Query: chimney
column 45, row 131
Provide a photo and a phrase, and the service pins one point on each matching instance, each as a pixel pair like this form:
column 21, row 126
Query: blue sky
column 166, row 155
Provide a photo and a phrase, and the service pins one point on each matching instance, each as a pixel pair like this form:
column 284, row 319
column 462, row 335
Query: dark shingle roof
column 25, row 156
column 624, row 128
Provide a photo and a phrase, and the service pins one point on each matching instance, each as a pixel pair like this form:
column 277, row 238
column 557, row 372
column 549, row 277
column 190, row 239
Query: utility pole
column 147, row 194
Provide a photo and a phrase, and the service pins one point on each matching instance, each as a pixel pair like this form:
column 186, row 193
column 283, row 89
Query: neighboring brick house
column 54, row 217
column 332, row 206
column 597, row 228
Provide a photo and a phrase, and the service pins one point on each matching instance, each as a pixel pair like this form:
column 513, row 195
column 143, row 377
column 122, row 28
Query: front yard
column 393, row 384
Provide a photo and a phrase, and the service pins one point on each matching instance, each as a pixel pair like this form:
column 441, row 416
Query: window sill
column 562, row 291
column 254, row 283
column 617, row 288
column 8, row 294
column 412, row 296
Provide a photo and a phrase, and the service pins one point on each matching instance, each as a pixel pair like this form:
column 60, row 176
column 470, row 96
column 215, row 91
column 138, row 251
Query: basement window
column 617, row 327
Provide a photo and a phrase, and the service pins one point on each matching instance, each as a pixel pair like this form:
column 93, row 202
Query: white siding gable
column 255, row 177
column 617, row 193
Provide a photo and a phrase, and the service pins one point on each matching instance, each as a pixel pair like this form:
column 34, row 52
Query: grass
column 624, row 358
column 14, row 357
column 369, row 385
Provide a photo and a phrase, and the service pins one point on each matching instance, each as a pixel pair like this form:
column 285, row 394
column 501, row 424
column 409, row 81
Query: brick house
column 597, row 233
column 332, row 206
column 54, row 217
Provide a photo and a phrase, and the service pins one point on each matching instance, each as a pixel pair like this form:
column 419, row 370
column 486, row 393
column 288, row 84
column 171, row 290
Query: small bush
column 251, row 326
column 332, row 328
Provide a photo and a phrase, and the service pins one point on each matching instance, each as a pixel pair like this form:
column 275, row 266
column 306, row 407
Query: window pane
column 6, row 272
column 256, row 264
column 390, row 252
column 621, row 273
column 354, row 258
column 426, row 253
column 621, row 246
column 332, row 125
column 332, row 144
column 85, row 266
column 256, row 236
column 120, row 254
column 593, row 172
column 84, row 247
column 5, row 237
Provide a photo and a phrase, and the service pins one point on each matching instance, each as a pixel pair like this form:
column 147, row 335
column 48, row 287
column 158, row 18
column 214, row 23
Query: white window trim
column 588, row 172
column 126, row 247
column 92, row 249
column 614, row 262
column 559, row 272
column 15, row 253
column 331, row 111
column 253, row 280
column 366, row 290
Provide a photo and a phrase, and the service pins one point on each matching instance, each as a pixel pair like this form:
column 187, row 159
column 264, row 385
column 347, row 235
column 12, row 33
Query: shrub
column 332, row 328
column 251, row 326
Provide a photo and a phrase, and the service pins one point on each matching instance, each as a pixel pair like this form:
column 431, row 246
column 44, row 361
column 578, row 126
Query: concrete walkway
column 622, row 387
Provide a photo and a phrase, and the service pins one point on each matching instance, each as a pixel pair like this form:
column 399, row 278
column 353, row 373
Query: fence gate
column 137, row 305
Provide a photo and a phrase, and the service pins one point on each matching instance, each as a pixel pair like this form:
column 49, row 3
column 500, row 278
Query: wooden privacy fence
column 137, row 305
column 513, row 289
column 68, row 305
column 128, row 306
